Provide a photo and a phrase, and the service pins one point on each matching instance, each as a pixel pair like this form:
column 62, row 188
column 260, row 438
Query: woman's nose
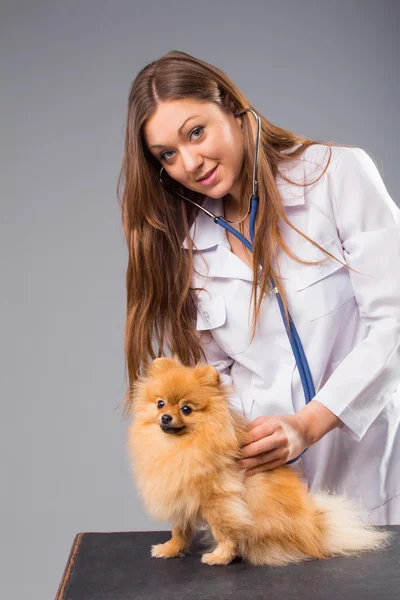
column 192, row 162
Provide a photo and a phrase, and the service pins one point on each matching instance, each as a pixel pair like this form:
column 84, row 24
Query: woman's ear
column 238, row 118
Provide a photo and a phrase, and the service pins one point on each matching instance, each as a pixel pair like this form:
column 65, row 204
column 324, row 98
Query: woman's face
column 190, row 138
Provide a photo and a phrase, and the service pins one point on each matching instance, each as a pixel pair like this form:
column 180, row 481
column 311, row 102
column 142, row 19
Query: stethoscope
column 294, row 339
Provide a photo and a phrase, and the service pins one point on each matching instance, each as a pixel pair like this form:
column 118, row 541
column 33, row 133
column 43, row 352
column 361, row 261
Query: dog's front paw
column 167, row 550
column 217, row 558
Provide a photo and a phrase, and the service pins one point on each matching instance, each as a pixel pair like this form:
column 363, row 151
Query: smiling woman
column 325, row 226
column 182, row 118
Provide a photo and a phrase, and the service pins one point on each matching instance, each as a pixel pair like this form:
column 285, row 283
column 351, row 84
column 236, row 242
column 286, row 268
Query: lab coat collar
column 208, row 235
column 204, row 232
column 292, row 195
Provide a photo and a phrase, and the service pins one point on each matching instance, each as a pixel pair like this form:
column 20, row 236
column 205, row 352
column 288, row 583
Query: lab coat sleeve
column 368, row 224
column 217, row 358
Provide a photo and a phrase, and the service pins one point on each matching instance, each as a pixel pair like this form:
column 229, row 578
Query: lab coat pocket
column 213, row 315
column 324, row 287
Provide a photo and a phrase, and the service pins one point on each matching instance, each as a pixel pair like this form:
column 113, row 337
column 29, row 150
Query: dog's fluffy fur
column 186, row 470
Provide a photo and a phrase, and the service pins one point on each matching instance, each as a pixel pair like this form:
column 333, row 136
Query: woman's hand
column 273, row 441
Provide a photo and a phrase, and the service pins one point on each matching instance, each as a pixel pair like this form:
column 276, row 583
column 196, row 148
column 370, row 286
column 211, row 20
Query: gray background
column 327, row 70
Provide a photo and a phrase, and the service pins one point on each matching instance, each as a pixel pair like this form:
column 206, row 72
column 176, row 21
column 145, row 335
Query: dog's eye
column 160, row 403
column 186, row 410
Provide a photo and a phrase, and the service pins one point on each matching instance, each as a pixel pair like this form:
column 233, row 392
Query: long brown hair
column 161, row 309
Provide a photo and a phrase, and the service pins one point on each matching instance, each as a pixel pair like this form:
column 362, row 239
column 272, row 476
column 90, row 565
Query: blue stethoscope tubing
column 294, row 338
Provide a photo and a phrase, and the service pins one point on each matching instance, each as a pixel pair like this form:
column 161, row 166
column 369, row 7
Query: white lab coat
column 349, row 323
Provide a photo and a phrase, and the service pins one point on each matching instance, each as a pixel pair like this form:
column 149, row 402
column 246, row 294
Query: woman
column 327, row 234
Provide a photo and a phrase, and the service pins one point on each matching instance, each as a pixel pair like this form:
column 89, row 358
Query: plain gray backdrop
column 324, row 69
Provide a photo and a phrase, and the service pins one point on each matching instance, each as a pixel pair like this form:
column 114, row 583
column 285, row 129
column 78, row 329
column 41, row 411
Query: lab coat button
column 207, row 316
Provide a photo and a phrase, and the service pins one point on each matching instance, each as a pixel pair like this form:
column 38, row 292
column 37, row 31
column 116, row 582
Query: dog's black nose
column 165, row 419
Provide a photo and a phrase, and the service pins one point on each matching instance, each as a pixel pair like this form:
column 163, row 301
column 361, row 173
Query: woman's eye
column 186, row 410
column 199, row 130
column 163, row 155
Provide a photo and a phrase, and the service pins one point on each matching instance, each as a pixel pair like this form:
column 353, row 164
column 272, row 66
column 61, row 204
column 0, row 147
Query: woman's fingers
column 263, row 458
column 264, row 444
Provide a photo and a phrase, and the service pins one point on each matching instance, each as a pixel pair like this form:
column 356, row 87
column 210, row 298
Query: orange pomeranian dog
column 184, row 442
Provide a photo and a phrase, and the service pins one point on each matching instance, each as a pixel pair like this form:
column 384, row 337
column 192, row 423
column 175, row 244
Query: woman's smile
column 211, row 178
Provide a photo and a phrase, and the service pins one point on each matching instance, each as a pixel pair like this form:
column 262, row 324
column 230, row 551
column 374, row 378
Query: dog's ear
column 160, row 365
column 207, row 375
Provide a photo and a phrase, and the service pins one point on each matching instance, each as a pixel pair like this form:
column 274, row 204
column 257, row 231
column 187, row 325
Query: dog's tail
column 347, row 530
